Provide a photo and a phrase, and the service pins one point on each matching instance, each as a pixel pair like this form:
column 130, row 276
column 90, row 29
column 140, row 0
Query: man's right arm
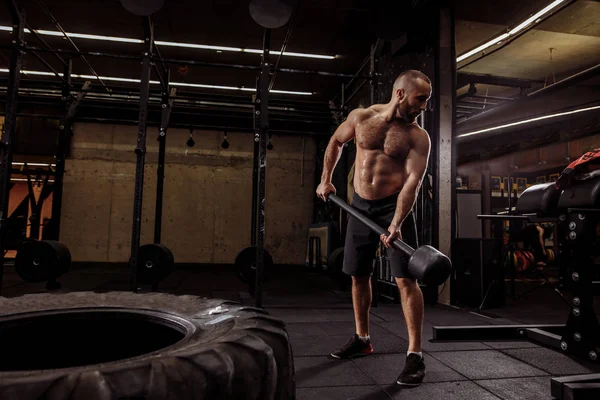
column 343, row 134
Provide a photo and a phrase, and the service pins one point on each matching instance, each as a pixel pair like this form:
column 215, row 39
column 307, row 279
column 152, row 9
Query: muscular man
column 392, row 152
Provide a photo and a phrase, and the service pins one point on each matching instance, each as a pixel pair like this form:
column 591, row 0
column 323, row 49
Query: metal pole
column 255, row 173
column 38, row 37
column 347, row 85
column 167, row 104
column 10, row 120
column 61, row 152
column 140, row 152
column 262, row 103
column 49, row 14
column 372, row 83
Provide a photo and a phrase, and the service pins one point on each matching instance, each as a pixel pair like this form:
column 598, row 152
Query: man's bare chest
column 392, row 140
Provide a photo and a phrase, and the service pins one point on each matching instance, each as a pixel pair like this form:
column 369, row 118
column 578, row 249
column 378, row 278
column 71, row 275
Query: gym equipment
column 155, row 263
column 42, row 261
column 136, row 342
column 576, row 210
column 271, row 14
column 245, row 263
column 478, row 273
column 143, row 8
column 426, row 264
column 523, row 260
column 314, row 253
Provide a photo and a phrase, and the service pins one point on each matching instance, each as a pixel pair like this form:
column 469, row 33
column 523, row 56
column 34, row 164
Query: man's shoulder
column 418, row 133
column 361, row 114
column 419, row 138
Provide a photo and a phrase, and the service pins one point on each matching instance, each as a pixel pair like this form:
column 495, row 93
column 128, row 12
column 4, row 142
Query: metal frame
column 580, row 335
column 167, row 106
column 65, row 131
column 201, row 111
column 259, row 180
column 178, row 61
column 156, row 58
column 48, row 93
column 140, row 151
column 9, row 129
column 576, row 387
column 36, row 205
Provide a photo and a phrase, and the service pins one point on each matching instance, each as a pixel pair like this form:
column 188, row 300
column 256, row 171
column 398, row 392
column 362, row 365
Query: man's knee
column 406, row 283
column 361, row 280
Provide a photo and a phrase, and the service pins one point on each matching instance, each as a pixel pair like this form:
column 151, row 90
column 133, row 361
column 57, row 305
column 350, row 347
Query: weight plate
column 142, row 8
column 39, row 260
column 245, row 263
column 155, row 263
column 271, row 14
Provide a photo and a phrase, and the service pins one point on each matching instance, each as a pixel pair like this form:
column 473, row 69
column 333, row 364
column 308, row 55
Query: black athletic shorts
column 361, row 242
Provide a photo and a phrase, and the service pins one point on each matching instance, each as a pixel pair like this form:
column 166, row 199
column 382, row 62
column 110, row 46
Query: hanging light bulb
column 225, row 143
column 190, row 141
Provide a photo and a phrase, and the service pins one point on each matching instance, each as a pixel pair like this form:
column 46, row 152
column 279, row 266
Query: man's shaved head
column 407, row 79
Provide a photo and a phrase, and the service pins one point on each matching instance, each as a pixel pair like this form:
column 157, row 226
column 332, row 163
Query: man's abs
column 376, row 175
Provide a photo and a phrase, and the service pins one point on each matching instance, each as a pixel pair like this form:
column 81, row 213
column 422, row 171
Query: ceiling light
column 170, row 44
column 535, row 16
column 86, row 36
column 34, row 164
column 482, row 47
column 533, row 19
column 196, row 85
column 197, row 46
column 25, row 180
column 291, row 54
column 527, row 121
column 225, row 143
column 190, row 142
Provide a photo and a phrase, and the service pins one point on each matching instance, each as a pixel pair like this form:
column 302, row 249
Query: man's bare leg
column 361, row 301
column 412, row 306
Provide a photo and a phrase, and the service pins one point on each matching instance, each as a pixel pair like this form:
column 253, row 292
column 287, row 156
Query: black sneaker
column 355, row 347
column 413, row 372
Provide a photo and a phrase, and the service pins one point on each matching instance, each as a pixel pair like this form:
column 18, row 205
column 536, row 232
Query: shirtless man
column 392, row 153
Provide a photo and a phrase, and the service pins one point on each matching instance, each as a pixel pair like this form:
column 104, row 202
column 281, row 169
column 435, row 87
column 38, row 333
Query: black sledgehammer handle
column 398, row 244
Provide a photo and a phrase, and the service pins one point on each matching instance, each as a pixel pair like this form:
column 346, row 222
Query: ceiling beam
column 464, row 79
column 519, row 103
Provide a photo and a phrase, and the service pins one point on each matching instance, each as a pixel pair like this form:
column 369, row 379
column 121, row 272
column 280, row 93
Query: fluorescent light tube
column 495, row 128
column 196, row 85
column 534, row 18
column 170, row 44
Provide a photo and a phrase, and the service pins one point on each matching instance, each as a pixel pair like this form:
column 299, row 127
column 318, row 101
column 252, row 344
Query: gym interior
column 158, row 176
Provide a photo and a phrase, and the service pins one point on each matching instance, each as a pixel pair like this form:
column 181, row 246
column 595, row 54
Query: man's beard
column 403, row 113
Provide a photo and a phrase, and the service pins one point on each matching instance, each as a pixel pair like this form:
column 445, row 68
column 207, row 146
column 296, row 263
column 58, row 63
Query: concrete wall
column 207, row 195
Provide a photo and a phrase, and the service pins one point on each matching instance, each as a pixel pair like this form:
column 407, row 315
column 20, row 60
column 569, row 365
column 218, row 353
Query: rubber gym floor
column 319, row 318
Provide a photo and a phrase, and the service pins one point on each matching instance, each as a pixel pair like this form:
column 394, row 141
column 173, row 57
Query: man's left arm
column 416, row 165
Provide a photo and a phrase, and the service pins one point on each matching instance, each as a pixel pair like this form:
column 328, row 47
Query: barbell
column 426, row 264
